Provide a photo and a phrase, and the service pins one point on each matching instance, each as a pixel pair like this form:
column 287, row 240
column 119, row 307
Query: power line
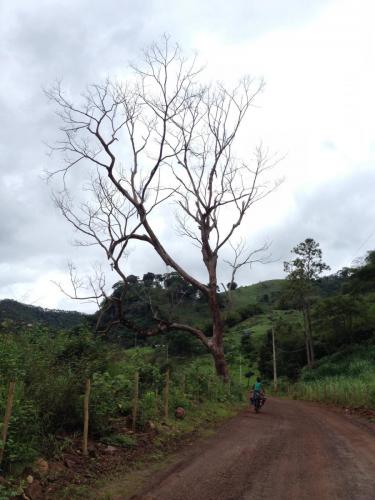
column 363, row 244
column 295, row 350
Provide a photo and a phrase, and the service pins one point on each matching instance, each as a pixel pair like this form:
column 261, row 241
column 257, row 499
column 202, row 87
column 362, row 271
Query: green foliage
column 149, row 407
column 24, row 431
column 361, row 279
column 121, row 440
column 232, row 319
column 308, row 264
column 303, row 271
column 110, row 397
column 343, row 320
column 11, row 490
column 11, row 359
column 49, row 368
column 346, row 378
column 290, row 351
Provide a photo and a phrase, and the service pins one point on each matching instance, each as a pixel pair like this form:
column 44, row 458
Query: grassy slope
column 345, row 378
column 252, row 294
column 261, row 323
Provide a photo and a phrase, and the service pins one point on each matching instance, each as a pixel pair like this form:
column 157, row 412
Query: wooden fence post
column 135, row 401
column 7, row 415
column 274, row 360
column 86, row 401
column 166, row 394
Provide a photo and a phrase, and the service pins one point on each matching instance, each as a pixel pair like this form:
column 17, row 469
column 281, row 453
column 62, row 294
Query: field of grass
column 346, row 378
column 259, row 325
column 252, row 294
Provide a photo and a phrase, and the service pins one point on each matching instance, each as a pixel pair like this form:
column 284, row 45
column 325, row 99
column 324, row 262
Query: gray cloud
column 85, row 41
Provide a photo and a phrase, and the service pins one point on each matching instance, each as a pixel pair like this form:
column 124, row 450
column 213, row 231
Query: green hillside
column 24, row 313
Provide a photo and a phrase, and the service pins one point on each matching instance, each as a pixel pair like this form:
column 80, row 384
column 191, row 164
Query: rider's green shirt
column 258, row 386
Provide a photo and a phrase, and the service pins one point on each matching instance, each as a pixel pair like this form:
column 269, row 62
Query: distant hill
column 187, row 310
column 24, row 313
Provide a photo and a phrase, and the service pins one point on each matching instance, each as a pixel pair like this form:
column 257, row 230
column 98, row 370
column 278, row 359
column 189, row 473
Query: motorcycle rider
column 258, row 390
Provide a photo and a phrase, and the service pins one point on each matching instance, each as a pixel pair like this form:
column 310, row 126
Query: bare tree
column 162, row 136
column 243, row 257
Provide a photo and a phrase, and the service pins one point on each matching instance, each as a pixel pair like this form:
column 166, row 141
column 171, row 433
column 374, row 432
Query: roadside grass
column 346, row 378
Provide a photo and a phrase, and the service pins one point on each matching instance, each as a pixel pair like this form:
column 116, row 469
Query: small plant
column 11, row 490
column 121, row 440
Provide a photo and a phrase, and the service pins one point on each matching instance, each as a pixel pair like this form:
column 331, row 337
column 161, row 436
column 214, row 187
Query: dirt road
column 290, row 451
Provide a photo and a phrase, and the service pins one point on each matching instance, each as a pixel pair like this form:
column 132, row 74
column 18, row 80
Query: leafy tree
column 343, row 320
column 232, row 285
column 362, row 278
column 131, row 279
column 148, row 279
column 303, row 271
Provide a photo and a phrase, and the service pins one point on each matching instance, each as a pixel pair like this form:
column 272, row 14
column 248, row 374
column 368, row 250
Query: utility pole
column 274, row 359
column 240, row 368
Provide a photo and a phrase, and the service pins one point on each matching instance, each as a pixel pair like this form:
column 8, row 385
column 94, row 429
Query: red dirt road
column 290, row 451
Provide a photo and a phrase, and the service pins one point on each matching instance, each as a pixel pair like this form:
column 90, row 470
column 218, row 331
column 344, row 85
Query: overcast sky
column 318, row 108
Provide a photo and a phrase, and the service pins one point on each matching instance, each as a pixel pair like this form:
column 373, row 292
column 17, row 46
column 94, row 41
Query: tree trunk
column 305, row 331
column 8, row 413
column 221, row 365
column 310, row 336
column 274, row 359
column 166, row 394
column 86, row 401
column 135, row 401
column 216, row 345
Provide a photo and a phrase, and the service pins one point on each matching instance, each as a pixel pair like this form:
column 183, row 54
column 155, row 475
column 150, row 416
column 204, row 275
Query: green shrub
column 23, row 434
column 110, row 397
column 120, row 440
column 149, row 407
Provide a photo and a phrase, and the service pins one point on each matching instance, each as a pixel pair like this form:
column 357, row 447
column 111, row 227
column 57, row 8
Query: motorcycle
column 257, row 400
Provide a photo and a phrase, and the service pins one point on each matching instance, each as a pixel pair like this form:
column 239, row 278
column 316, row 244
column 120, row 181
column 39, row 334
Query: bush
column 121, row 440
column 232, row 319
column 110, row 397
column 149, row 408
column 23, row 433
column 249, row 311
